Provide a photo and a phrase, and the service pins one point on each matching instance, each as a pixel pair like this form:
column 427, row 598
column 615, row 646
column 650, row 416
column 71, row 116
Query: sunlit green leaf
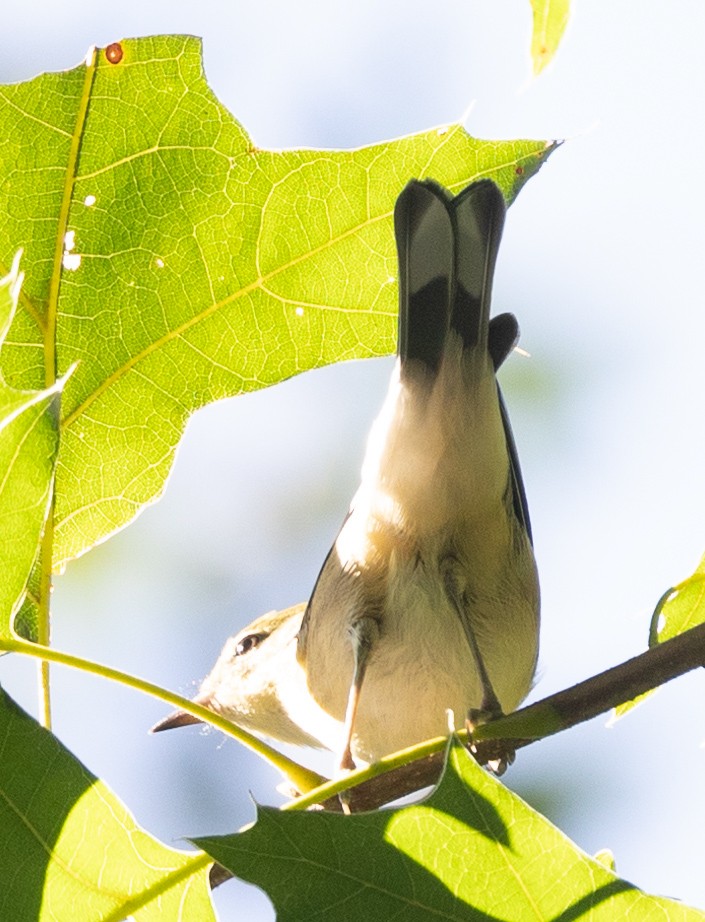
column 550, row 20
column 71, row 851
column 178, row 263
column 29, row 434
column 682, row 608
column 678, row 610
column 471, row 851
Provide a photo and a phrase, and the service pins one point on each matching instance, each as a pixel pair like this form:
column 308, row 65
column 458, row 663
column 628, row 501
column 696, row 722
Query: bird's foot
column 495, row 755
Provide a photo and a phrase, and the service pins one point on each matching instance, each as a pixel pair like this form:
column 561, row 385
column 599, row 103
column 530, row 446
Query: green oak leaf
column 472, row 850
column 175, row 263
column 29, row 614
column 29, row 441
column 70, row 849
column 550, row 19
column 680, row 608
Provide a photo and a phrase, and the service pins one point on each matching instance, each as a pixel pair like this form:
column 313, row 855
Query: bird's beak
column 175, row 719
column 183, row 718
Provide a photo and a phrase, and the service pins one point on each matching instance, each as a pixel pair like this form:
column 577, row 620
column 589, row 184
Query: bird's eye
column 249, row 642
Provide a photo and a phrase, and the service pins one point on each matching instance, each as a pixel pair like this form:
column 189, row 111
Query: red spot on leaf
column 114, row 53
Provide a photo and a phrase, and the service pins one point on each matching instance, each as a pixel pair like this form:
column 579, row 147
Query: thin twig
column 557, row 712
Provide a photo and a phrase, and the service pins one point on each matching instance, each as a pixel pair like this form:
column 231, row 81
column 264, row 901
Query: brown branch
column 557, row 712
column 594, row 696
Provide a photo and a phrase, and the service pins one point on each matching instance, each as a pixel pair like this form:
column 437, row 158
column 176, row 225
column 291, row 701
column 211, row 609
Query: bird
column 427, row 606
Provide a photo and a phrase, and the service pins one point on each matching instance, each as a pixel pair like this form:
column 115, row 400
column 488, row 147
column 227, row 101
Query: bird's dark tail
column 479, row 219
column 447, row 250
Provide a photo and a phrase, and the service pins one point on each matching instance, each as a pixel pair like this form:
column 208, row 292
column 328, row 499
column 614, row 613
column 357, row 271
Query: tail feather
column 425, row 236
column 447, row 250
column 479, row 219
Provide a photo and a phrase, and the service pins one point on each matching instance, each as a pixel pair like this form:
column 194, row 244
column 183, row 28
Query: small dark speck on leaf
column 519, row 170
column 114, row 53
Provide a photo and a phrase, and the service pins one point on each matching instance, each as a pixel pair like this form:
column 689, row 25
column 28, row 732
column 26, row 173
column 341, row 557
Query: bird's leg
column 363, row 635
column 490, row 708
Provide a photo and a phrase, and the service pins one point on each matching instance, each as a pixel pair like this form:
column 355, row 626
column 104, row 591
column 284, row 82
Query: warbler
column 427, row 605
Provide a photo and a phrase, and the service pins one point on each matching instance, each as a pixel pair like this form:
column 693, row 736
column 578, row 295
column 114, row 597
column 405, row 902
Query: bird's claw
column 496, row 755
